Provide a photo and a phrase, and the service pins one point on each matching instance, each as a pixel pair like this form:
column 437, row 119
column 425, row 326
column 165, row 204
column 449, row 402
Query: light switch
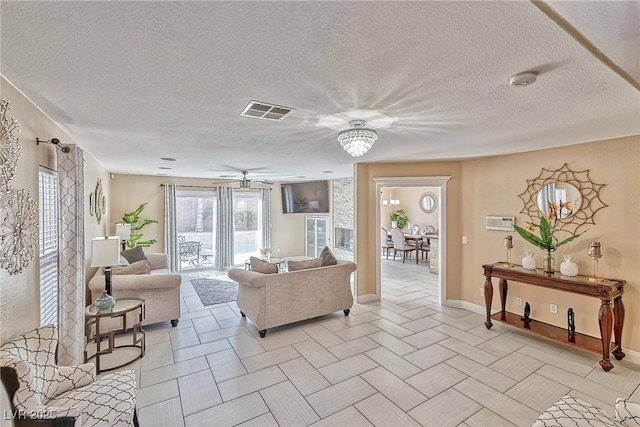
column 465, row 240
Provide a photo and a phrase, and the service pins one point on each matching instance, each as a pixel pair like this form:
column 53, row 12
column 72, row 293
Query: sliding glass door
column 196, row 224
column 247, row 229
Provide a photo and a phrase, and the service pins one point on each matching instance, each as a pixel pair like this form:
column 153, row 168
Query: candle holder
column 595, row 252
column 508, row 243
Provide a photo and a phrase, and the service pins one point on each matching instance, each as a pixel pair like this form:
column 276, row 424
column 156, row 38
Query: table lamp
column 124, row 231
column 105, row 252
column 595, row 252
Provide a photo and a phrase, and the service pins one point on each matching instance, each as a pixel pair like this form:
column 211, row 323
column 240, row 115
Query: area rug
column 214, row 291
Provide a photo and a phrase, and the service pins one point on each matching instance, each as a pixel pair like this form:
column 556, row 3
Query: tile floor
column 404, row 361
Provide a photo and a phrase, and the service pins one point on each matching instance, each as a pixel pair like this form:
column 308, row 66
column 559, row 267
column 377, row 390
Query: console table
column 609, row 291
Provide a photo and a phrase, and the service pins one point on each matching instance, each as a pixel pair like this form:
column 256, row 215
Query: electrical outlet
column 553, row 308
column 482, row 291
column 518, row 301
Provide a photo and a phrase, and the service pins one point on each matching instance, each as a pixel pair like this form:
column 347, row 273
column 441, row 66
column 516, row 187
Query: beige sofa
column 270, row 300
column 160, row 289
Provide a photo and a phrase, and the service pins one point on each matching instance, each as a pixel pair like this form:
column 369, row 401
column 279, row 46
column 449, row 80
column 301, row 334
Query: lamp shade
column 123, row 230
column 105, row 251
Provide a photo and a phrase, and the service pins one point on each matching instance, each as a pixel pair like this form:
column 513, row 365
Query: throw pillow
column 123, row 261
column 570, row 411
column 134, row 254
column 261, row 266
column 138, row 267
column 303, row 265
column 628, row 412
column 327, row 257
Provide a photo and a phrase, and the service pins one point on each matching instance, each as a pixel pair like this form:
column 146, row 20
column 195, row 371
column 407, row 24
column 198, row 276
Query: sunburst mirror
column 574, row 188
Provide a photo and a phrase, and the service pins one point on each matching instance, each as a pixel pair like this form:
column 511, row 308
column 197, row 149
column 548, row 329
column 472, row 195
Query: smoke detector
column 523, row 79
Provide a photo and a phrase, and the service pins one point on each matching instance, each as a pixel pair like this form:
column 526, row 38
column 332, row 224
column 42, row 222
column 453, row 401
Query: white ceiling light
column 523, row 79
column 357, row 140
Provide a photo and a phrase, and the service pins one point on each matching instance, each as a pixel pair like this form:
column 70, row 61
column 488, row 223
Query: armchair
column 45, row 394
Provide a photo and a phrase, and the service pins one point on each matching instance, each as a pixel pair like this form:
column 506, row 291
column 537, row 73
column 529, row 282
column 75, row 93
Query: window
column 48, row 194
column 247, row 225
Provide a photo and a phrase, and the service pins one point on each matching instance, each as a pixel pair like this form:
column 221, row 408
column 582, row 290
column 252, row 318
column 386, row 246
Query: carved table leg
column 488, row 297
column 605, row 318
column 504, row 287
column 618, row 322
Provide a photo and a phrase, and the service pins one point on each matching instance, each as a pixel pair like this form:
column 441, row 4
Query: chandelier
column 357, row 140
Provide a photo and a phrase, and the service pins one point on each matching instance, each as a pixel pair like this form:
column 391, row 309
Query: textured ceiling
column 132, row 82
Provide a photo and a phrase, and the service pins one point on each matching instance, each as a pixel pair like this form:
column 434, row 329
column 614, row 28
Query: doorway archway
column 426, row 181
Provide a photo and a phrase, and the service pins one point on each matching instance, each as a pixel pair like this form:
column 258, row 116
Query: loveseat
column 271, row 300
column 160, row 289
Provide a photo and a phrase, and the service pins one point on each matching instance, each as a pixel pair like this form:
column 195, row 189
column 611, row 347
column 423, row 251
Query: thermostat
column 500, row 223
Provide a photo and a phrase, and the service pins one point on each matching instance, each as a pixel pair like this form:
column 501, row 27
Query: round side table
column 94, row 334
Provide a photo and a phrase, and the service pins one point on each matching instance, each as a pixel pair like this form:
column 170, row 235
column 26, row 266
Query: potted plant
column 133, row 218
column 400, row 218
column 547, row 241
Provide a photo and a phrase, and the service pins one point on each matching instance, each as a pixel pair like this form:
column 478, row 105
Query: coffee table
column 280, row 263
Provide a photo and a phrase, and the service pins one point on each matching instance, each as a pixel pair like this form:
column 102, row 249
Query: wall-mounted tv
column 305, row 197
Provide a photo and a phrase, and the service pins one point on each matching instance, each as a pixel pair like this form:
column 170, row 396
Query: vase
column 528, row 261
column 548, row 262
column 568, row 267
column 104, row 302
column 394, row 224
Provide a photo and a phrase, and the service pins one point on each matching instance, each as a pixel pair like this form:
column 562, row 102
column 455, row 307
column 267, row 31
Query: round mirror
column 562, row 194
column 428, row 202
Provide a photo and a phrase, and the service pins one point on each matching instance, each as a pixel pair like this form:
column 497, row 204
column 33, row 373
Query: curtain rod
column 213, row 188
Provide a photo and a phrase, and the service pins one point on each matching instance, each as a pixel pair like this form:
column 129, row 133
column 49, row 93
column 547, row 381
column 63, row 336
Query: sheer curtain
column 170, row 226
column 224, row 228
column 265, row 195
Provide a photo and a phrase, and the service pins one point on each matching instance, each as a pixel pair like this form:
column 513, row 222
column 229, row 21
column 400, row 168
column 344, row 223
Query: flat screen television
column 305, row 197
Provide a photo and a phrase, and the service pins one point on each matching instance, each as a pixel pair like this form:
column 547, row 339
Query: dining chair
column 424, row 248
column 385, row 242
column 399, row 244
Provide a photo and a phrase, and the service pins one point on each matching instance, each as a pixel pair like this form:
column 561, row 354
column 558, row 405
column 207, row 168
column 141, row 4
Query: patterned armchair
column 45, row 394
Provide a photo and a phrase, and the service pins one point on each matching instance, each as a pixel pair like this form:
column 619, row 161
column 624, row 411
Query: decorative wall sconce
column 508, row 243
column 98, row 202
column 595, row 252
column 56, row 142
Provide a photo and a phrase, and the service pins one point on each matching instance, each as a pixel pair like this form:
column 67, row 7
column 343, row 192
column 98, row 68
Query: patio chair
column 189, row 252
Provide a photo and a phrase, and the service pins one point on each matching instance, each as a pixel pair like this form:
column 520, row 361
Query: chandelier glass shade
column 357, row 140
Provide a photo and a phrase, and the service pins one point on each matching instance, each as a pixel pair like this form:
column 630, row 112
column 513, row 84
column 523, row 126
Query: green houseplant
column 137, row 223
column 400, row 217
column 547, row 240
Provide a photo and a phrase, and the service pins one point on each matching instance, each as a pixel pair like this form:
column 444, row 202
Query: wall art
column 98, row 202
column 18, row 231
column 9, row 147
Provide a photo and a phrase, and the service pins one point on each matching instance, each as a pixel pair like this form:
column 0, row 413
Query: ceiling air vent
column 262, row 110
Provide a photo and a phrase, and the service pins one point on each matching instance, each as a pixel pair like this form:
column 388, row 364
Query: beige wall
column 129, row 191
column 491, row 187
column 409, row 202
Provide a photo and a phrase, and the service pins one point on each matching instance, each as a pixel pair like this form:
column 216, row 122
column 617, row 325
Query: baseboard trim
column 457, row 303
column 366, row 299
column 630, row 355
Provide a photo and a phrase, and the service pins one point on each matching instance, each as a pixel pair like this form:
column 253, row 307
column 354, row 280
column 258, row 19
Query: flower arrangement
column 265, row 253
column 547, row 240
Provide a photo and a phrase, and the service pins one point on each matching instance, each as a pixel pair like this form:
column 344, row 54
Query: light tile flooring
column 404, row 361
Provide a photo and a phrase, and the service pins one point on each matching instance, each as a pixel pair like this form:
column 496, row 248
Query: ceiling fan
column 245, row 182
